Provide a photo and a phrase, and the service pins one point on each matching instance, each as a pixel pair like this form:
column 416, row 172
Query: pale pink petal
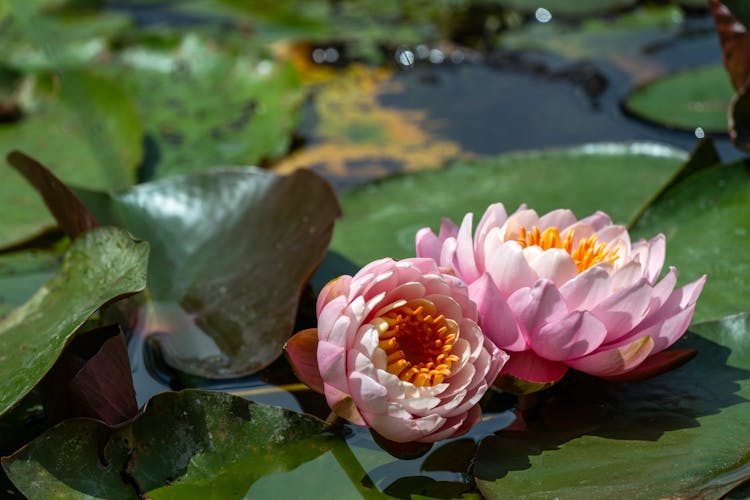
column 662, row 291
column 342, row 404
column 368, row 395
column 658, row 249
column 447, row 306
column 666, row 332
column 597, row 221
column 329, row 314
column 614, row 233
column 494, row 217
column 332, row 365
column 334, row 288
column 511, row 230
column 679, row 299
column 531, row 367
column 401, row 430
column 508, row 268
column 495, row 317
column 465, row 263
column 559, row 219
column 587, row 289
column 448, row 253
column 427, row 243
column 546, row 305
column 627, row 275
column 616, row 360
column 623, row 310
column 571, row 337
column 447, row 229
column 556, row 265
column 456, row 426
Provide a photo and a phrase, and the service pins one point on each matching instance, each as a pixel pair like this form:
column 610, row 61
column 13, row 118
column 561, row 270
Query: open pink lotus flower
column 398, row 349
column 558, row 293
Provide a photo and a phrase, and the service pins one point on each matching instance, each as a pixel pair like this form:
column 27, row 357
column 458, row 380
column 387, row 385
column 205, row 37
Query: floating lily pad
column 22, row 274
column 231, row 250
column 687, row 100
column 85, row 129
column 205, row 105
column 705, row 220
column 682, row 434
column 99, row 266
column 620, row 40
column 570, row 9
column 185, row 445
column 382, row 219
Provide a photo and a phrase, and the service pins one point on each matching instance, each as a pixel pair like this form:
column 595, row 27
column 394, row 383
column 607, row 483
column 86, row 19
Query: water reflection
column 543, row 15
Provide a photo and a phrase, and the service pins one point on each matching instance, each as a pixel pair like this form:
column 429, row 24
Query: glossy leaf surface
column 99, row 266
column 231, row 251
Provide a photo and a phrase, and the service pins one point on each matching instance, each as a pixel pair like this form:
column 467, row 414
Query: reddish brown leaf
column 92, row 379
column 72, row 215
column 735, row 42
column 739, row 118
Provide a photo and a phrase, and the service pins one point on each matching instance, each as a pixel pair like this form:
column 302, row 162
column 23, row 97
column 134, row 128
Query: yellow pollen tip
column 589, row 252
column 417, row 342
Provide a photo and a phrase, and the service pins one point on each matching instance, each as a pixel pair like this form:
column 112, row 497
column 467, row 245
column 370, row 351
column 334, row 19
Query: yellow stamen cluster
column 418, row 343
column 586, row 254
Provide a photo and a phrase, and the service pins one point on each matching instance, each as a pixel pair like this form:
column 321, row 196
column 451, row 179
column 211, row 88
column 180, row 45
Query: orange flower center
column 589, row 251
column 418, row 342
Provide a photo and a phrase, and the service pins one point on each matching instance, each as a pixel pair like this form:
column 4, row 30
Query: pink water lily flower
column 398, row 349
column 558, row 293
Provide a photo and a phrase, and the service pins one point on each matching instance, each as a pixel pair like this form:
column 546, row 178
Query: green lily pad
column 189, row 444
column 686, row 100
column 231, row 250
column 382, row 219
column 42, row 36
column 620, row 40
column 570, row 9
column 86, row 130
column 99, row 266
column 682, row 434
column 205, row 105
column 705, row 220
column 22, row 274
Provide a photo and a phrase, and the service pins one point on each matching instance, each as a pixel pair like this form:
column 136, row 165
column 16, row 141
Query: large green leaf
column 99, row 266
column 705, row 219
column 686, row 100
column 231, row 250
column 85, row 128
column 382, row 219
column 190, row 444
column 682, row 434
column 205, row 105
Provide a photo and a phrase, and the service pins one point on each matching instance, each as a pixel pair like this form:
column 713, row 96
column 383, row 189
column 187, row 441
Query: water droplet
column 699, row 133
column 331, row 55
column 436, row 56
column 319, row 56
column 405, row 57
column 543, row 15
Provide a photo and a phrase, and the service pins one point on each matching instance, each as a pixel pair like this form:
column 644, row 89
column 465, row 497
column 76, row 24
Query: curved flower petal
column 498, row 322
column 571, row 337
column 623, row 310
column 428, row 244
column 508, row 267
column 615, row 361
column 528, row 365
column 302, row 351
